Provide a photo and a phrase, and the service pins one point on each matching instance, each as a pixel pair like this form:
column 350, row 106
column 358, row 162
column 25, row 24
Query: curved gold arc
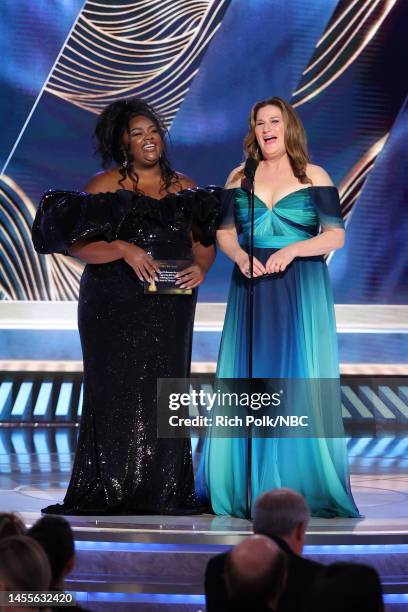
column 358, row 169
column 367, row 39
column 138, row 49
column 342, row 33
column 337, row 22
column 34, row 276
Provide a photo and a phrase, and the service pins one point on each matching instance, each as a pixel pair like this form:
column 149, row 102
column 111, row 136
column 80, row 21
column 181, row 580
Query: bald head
column 255, row 571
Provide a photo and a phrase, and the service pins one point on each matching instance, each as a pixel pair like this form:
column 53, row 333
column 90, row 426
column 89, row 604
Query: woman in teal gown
column 297, row 221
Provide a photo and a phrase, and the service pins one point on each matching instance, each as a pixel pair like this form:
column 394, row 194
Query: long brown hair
column 295, row 137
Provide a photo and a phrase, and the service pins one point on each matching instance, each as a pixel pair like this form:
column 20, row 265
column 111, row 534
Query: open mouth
column 149, row 147
column 270, row 139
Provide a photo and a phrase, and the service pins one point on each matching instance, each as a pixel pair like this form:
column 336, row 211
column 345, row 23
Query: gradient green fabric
column 294, row 337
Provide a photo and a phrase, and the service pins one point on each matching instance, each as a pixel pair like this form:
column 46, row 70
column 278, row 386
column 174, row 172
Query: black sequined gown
column 128, row 339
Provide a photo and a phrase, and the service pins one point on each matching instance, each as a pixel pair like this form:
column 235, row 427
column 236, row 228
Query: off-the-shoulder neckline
column 145, row 195
column 187, row 190
column 291, row 193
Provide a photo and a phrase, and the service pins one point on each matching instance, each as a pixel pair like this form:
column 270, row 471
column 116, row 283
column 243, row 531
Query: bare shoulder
column 103, row 182
column 185, row 181
column 319, row 176
column 234, row 177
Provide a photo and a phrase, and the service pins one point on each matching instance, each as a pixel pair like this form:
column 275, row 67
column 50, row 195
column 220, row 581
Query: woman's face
column 146, row 144
column 270, row 131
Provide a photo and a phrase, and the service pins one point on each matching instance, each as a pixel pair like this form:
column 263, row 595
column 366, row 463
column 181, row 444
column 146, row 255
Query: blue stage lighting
column 22, row 400
column 43, row 400
column 42, row 450
column 5, row 396
column 64, row 399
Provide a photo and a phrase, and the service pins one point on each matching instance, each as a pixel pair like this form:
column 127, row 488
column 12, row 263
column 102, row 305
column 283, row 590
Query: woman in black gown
column 129, row 339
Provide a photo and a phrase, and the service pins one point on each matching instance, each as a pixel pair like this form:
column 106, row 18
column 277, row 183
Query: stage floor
column 380, row 488
column 150, row 563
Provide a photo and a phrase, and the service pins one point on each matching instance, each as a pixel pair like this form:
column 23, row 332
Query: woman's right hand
column 144, row 266
column 242, row 261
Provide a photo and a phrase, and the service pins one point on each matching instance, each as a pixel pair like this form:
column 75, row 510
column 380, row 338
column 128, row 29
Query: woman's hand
column 279, row 261
column 190, row 277
column 242, row 261
column 144, row 266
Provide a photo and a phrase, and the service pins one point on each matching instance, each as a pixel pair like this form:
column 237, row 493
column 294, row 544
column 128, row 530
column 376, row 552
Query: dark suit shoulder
column 307, row 566
column 215, row 564
column 301, row 575
column 215, row 591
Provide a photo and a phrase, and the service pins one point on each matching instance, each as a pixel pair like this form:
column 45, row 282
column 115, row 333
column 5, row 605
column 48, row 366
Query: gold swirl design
column 345, row 38
column 24, row 274
column 352, row 185
column 150, row 48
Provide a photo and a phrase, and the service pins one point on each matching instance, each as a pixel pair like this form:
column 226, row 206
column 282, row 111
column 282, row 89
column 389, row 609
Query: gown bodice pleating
column 296, row 216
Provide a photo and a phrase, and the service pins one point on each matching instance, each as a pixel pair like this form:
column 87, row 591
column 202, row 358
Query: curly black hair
column 113, row 123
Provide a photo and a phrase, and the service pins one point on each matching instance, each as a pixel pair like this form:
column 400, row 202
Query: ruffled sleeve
column 66, row 217
column 328, row 207
column 227, row 215
column 206, row 214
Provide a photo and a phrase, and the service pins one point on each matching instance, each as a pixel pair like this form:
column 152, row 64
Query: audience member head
column 255, row 572
column 282, row 513
column 55, row 535
column 346, row 586
column 11, row 524
column 23, row 565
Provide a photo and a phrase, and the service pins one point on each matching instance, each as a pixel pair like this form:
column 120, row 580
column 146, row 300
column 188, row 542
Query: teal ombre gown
column 294, row 337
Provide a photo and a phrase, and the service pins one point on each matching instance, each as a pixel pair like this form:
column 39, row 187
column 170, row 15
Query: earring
column 125, row 162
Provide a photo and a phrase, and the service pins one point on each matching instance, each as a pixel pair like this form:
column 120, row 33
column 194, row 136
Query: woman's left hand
column 279, row 261
column 191, row 277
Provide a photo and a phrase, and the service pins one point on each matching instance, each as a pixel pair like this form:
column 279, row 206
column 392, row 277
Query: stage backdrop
column 203, row 65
